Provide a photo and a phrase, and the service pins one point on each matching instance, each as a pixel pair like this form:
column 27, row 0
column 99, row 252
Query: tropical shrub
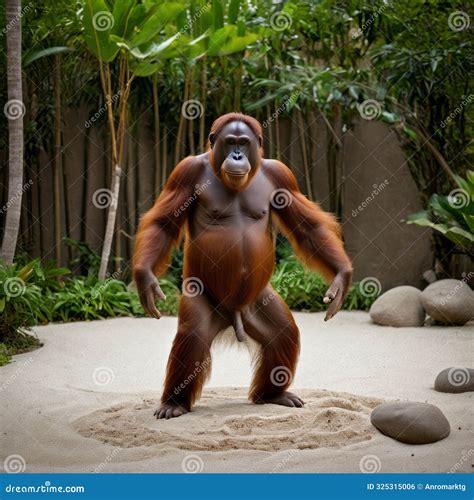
column 452, row 215
column 304, row 290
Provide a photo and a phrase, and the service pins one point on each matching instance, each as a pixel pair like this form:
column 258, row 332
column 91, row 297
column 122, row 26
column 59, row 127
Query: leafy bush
column 83, row 300
column 32, row 295
column 4, row 355
column 22, row 303
column 304, row 290
column 452, row 215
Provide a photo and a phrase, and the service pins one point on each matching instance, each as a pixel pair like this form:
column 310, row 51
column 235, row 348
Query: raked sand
column 84, row 402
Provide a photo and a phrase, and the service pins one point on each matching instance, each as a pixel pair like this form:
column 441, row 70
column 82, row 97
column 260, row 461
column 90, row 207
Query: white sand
column 85, row 402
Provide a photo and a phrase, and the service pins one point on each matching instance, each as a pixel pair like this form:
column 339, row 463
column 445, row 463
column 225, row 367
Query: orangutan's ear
column 212, row 139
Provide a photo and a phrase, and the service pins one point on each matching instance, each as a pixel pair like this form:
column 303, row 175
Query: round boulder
column 410, row 422
column 455, row 380
column 450, row 302
column 400, row 306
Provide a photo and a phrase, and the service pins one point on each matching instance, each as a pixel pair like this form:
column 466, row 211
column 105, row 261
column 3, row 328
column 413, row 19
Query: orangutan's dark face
column 235, row 154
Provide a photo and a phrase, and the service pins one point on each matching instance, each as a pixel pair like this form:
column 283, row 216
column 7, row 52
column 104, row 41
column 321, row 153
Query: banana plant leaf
column 98, row 23
column 30, row 57
column 226, row 41
column 164, row 14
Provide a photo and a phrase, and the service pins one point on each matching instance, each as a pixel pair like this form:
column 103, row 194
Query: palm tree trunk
column 15, row 130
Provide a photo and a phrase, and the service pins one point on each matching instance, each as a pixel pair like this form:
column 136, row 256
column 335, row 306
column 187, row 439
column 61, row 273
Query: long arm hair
column 162, row 226
column 314, row 234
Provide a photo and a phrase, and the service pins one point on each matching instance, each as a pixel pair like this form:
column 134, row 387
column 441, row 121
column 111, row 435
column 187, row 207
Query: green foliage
column 33, row 294
column 4, row 355
column 22, row 302
column 22, row 289
column 85, row 259
column 304, row 290
column 452, row 215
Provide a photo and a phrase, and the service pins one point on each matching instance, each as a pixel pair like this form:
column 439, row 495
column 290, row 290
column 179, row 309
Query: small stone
column 450, row 302
column 410, row 422
column 400, row 306
column 455, row 380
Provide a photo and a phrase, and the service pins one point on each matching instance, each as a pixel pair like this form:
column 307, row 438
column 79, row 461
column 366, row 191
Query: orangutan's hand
column 149, row 291
column 337, row 292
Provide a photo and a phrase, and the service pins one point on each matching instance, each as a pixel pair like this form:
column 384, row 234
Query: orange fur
column 314, row 234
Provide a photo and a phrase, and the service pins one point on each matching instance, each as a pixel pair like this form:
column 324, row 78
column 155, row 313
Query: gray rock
column 400, row 306
column 450, row 302
column 411, row 422
column 455, row 380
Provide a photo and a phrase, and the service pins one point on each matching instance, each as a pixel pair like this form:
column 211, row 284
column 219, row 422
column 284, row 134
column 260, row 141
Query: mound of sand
column 225, row 420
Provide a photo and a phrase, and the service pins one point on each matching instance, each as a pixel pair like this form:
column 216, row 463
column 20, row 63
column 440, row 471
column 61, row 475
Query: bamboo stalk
column 182, row 123
column 57, row 158
column 277, row 136
column 202, row 118
column 191, row 121
column 157, row 139
column 301, row 133
column 164, row 160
